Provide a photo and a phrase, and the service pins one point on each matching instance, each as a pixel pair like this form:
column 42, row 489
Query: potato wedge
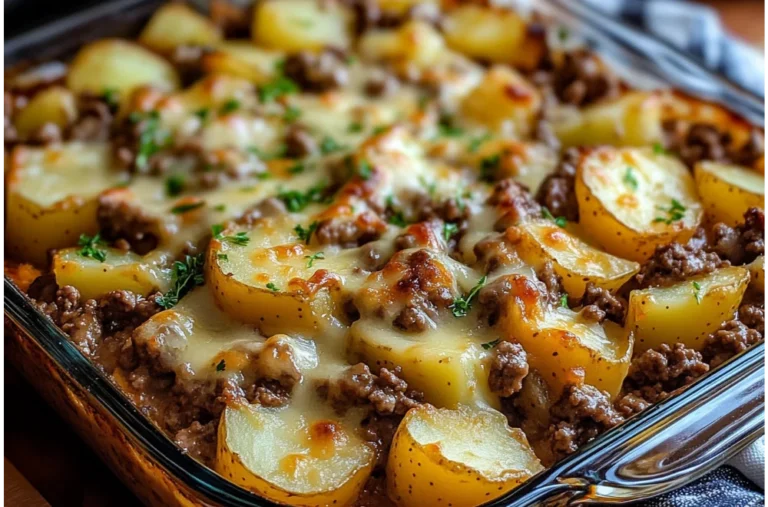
column 242, row 59
column 728, row 191
column 449, row 366
column 503, row 98
column 295, row 25
column 293, row 456
column 120, row 65
column 416, row 43
column 176, row 24
column 460, row 457
column 706, row 301
column 631, row 120
column 120, row 271
column 573, row 259
column 495, row 35
column 632, row 200
column 562, row 346
column 757, row 275
column 51, row 196
column 55, row 105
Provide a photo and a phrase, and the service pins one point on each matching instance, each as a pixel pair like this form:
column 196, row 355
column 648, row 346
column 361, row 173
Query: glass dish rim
column 204, row 481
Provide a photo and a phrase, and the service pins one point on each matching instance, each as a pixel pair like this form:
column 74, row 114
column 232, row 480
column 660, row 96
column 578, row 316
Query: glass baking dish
column 668, row 445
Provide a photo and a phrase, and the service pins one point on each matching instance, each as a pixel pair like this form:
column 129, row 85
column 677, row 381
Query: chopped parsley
column 355, row 127
column 90, row 248
column 297, row 168
column 430, row 186
column 111, row 97
column 675, row 212
column 559, row 221
column 271, row 286
column 222, row 257
column 697, row 292
column 276, row 88
column 461, row 305
column 230, row 106
column 295, row 200
column 174, row 184
column 659, row 149
column 564, row 301
column 329, row 145
column 279, row 153
column 264, row 175
column 306, row 234
column 189, row 206
column 220, row 207
column 446, row 127
column 474, row 144
column 380, row 129
column 630, row 180
column 186, row 275
column 152, row 138
column 397, row 217
column 488, row 167
column 363, row 168
column 291, row 114
column 221, row 366
column 239, row 238
column 314, row 257
column 203, row 114
column 490, row 345
column 450, row 230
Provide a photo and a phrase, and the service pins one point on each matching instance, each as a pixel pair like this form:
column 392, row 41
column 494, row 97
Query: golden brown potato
column 563, row 346
column 119, row 65
column 728, row 191
column 686, row 312
column 631, row 120
column 242, row 59
column 295, row 25
column 51, row 196
column 632, row 200
column 757, row 275
column 416, row 43
column 176, row 24
column 503, row 98
column 463, row 457
column 293, row 455
column 55, row 105
column 119, row 271
column 577, row 262
column 495, row 35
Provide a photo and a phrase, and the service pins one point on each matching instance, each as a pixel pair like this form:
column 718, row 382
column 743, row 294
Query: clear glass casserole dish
column 666, row 446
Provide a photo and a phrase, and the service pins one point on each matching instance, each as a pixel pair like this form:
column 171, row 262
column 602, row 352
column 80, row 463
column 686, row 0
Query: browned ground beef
column 736, row 335
column 581, row 413
column 198, row 440
column 552, row 282
column 701, row 141
column 741, row 244
column 491, row 299
column 557, row 192
column 583, row 79
column 494, row 252
column 599, row 304
column 94, row 119
column 386, row 393
column 509, row 367
column 381, row 84
column 317, row 72
column 119, row 219
column 349, row 232
column 269, row 207
column 675, row 262
column 752, row 151
column 514, row 202
column 299, row 142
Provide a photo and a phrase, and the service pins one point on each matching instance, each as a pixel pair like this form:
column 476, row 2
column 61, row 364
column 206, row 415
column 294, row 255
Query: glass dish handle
column 686, row 437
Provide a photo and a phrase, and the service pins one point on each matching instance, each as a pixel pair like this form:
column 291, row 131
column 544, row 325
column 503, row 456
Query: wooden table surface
column 50, row 465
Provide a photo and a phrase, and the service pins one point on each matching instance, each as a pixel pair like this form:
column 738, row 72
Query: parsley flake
column 230, row 106
column 697, row 292
column 90, row 248
column 488, row 167
column 222, row 257
column 329, row 145
column 630, row 180
column 675, row 212
column 306, row 234
column 186, row 207
column 221, row 366
column 111, row 97
column 203, row 114
column 355, row 128
column 291, row 114
column 559, row 221
column 277, row 88
column 174, row 185
column 152, row 138
column 314, row 257
column 447, row 128
column 659, row 149
column 271, row 286
column 186, row 275
column 564, row 301
column 490, row 345
column 240, row 238
column 474, row 144
column 295, row 200
column 450, row 230
column 462, row 305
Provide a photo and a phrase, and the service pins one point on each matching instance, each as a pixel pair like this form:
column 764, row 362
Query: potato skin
column 278, row 25
column 727, row 192
column 175, row 24
column 420, row 475
column 654, row 313
column 53, row 105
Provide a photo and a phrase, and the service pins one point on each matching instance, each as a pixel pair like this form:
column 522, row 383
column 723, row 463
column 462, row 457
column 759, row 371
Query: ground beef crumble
column 741, row 244
column 736, row 335
column 509, row 367
column 599, row 304
column 675, row 262
column 317, row 72
column 514, row 202
column 557, row 192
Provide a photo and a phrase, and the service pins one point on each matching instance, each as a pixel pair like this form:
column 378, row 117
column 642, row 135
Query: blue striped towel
column 695, row 29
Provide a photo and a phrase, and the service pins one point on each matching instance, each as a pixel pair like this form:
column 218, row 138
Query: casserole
column 741, row 363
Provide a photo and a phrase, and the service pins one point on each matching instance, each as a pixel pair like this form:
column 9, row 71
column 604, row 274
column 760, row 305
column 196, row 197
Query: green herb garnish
column 659, row 149
column 295, row 200
column 559, row 221
column 111, row 97
column 461, row 305
column 630, row 180
column 490, row 345
column 355, row 127
column 474, row 144
column 222, row 257
column 564, row 301
column 306, row 234
column 276, row 88
column 450, row 230
column 89, row 247
column 183, row 208
column 271, row 286
column 221, row 366
column 239, row 238
column 446, row 127
column 329, row 145
column 152, row 138
column 174, row 184
column 314, row 257
column 186, row 275
column 675, row 212
column 292, row 113
column 697, row 292
column 230, row 106
column 488, row 167
column 203, row 114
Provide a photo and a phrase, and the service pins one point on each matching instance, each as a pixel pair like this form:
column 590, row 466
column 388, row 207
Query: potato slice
column 705, row 301
column 416, row 43
column 504, row 97
column 459, row 457
column 51, row 196
column 295, row 25
column 120, row 271
column 53, row 105
column 631, row 120
column 292, row 455
column 116, row 64
column 757, row 275
column 495, row 35
column 176, row 24
column 448, row 365
column 562, row 346
column 727, row 191
column 242, row 59
column 574, row 260
column 632, row 200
